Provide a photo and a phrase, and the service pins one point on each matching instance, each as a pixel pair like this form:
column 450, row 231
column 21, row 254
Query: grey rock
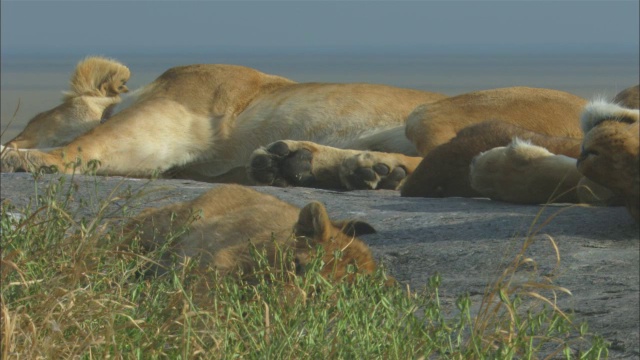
column 469, row 242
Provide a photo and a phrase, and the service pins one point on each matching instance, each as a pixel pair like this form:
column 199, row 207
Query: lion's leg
column 20, row 160
column 155, row 136
column 525, row 173
column 304, row 163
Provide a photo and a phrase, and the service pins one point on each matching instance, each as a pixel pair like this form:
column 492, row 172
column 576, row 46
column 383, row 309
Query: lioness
column 230, row 219
column 204, row 121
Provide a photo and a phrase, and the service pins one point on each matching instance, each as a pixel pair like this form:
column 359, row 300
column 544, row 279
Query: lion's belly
column 347, row 116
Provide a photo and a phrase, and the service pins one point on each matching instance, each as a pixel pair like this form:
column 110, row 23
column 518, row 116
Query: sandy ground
column 468, row 242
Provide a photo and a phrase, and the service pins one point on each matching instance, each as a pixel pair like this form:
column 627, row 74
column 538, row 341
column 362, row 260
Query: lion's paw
column 11, row 161
column 368, row 171
column 282, row 163
column 14, row 160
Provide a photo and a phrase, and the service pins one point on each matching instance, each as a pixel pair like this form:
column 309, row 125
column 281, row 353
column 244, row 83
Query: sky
column 104, row 26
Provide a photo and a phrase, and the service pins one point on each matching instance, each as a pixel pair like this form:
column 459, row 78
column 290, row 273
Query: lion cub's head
column 95, row 89
column 338, row 240
column 610, row 150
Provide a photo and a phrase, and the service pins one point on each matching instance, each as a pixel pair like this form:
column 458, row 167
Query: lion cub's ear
column 354, row 227
column 314, row 222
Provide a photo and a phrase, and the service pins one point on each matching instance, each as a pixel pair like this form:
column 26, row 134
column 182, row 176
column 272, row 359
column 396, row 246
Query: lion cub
column 224, row 223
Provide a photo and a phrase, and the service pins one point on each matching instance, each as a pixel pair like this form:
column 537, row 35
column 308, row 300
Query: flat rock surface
column 469, row 242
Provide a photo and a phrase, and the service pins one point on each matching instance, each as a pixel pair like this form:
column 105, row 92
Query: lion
column 225, row 224
column 480, row 121
column 96, row 86
column 544, row 111
column 606, row 170
column 444, row 171
column 300, row 163
column 203, row 122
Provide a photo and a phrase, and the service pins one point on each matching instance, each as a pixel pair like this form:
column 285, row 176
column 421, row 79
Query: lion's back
column 545, row 111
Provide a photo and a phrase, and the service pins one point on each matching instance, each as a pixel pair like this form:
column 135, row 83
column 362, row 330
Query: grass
column 69, row 292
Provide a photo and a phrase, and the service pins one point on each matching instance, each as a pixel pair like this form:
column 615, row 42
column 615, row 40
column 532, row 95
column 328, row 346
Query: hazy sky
column 89, row 26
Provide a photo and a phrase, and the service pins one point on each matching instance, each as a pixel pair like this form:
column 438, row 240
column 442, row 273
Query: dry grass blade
column 8, row 328
column 10, row 264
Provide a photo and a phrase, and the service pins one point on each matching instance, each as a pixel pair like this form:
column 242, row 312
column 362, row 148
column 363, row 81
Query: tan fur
column 629, row 97
column 204, row 121
column 524, row 173
column 97, row 76
column 230, row 217
column 95, row 89
column 609, row 163
column 610, row 155
column 531, row 112
column 544, row 111
column 598, row 111
column 444, row 171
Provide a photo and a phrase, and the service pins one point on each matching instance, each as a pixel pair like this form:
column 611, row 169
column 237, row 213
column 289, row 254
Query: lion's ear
column 313, row 222
column 354, row 227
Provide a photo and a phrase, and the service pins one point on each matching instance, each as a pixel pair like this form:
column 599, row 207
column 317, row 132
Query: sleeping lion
column 429, row 127
column 607, row 169
column 204, row 121
column 226, row 123
column 230, row 219
column 445, row 171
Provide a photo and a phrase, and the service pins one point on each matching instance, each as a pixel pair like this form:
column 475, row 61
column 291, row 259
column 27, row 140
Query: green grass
column 68, row 291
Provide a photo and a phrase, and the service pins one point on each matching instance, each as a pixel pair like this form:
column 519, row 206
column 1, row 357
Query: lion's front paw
column 369, row 171
column 11, row 161
column 282, row 163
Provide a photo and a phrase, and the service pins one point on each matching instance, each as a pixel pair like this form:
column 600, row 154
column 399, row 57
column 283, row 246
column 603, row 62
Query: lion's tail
column 98, row 76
